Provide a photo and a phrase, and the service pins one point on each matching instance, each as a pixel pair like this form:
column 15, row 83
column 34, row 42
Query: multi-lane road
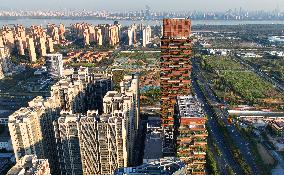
column 227, row 157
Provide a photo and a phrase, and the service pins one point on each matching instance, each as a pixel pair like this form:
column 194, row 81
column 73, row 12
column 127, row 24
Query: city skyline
column 158, row 5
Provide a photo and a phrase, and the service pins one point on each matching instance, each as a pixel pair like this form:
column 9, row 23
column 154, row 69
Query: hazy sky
column 166, row 5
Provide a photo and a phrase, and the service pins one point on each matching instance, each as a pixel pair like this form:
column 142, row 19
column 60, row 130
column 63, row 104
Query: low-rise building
column 30, row 165
column 163, row 166
column 6, row 143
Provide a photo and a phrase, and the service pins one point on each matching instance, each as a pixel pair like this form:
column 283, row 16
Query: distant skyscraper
column 175, row 72
column 148, row 12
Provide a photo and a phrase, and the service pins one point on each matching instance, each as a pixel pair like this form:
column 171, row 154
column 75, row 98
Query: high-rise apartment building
column 111, row 34
column 71, row 95
column 131, row 33
column 31, row 42
column 147, row 32
column 86, row 35
column 50, row 47
column 4, row 57
column 75, row 139
column 31, row 128
column 62, row 32
column 42, row 46
column 31, row 49
column 54, row 64
column 112, row 142
column 20, row 46
column 30, row 165
column 8, row 37
column 25, row 132
column 1, row 42
column 108, row 34
column 105, row 141
column 130, row 87
column 127, row 103
column 96, row 91
column 192, row 135
column 175, row 73
column 99, row 36
column 175, row 65
column 32, row 132
column 68, row 144
column 89, row 143
column 53, row 31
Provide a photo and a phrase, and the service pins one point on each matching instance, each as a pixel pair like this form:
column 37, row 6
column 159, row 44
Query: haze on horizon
column 159, row 5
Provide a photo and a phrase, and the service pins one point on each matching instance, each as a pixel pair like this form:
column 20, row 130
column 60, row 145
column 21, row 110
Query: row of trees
column 235, row 83
column 211, row 163
column 233, row 148
column 249, row 85
column 151, row 96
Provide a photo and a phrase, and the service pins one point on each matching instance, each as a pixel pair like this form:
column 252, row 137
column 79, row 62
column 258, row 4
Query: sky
column 159, row 5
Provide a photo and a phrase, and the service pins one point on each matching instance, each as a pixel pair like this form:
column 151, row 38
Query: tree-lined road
column 212, row 123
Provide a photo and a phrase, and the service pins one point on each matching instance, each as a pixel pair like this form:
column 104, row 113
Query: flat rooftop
column 153, row 146
column 189, row 107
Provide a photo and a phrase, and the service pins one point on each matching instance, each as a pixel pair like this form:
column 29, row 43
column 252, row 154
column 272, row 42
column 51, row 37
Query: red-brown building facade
column 175, row 65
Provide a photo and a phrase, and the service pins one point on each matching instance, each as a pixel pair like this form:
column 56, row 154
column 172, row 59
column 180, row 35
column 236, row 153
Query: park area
column 237, row 84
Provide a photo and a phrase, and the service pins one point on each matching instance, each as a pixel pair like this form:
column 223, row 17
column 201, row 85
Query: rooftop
column 29, row 164
column 163, row 166
column 189, row 107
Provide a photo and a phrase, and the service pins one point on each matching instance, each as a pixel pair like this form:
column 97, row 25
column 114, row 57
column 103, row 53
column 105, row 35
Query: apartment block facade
column 147, row 33
column 68, row 144
column 32, row 128
column 34, row 42
column 104, row 141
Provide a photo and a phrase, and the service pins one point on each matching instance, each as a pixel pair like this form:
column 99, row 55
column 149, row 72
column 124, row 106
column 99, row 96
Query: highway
column 226, row 157
column 212, row 123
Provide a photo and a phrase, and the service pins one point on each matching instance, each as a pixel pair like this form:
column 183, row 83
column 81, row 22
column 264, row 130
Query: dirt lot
column 266, row 157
